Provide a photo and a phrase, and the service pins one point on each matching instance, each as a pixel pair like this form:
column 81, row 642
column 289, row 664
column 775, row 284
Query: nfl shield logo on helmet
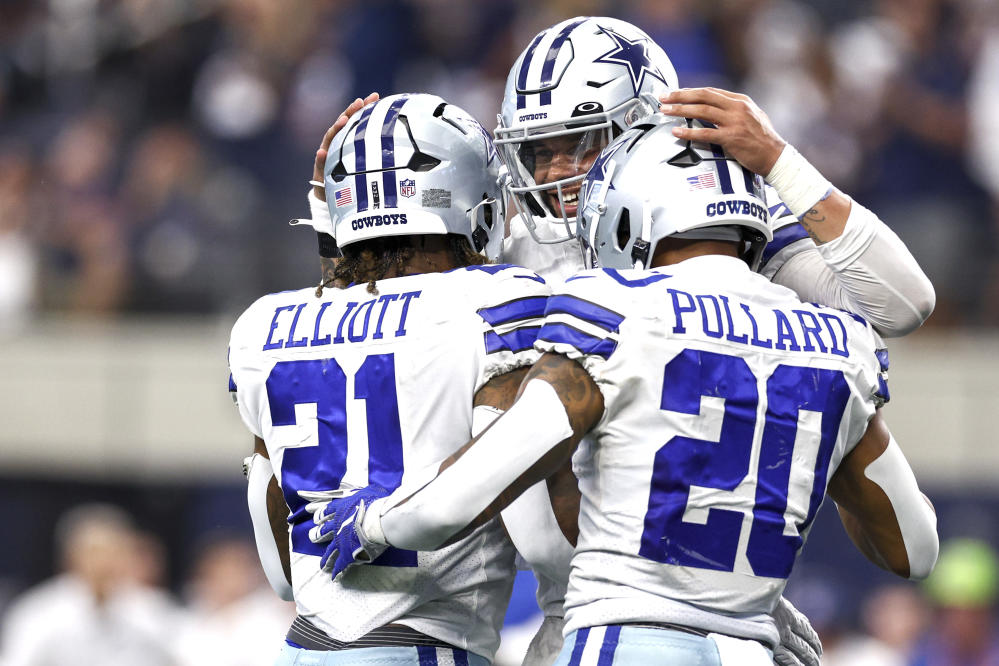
column 407, row 187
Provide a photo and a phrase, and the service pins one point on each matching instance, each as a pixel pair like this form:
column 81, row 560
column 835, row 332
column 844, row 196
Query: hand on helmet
column 742, row 128
column 341, row 122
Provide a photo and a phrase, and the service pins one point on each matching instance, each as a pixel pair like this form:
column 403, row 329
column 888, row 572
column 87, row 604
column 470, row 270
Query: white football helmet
column 648, row 185
column 413, row 164
column 578, row 84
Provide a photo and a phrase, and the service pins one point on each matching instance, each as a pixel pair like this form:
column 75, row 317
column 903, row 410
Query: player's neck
column 674, row 250
column 433, row 255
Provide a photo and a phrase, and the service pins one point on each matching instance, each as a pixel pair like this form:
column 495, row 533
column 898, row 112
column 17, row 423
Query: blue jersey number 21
column 316, row 468
column 686, row 461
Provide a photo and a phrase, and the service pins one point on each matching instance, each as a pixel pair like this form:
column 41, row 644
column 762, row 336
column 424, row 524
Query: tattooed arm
column 557, row 404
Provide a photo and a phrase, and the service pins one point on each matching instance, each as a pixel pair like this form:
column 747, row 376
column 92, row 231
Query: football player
column 364, row 386
column 721, row 409
column 582, row 82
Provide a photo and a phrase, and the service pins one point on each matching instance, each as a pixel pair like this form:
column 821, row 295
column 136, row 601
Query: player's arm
column 321, row 220
column 556, row 404
column 560, row 491
column 881, row 506
column 269, row 515
column 873, row 273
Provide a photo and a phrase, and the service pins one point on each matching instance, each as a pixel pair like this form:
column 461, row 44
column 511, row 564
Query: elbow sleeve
column 917, row 521
column 258, row 476
column 881, row 276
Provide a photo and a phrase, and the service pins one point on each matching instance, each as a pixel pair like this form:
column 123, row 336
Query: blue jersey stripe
column 611, row 637
column 524, row 67
column 584, row 342
column 388, row 152
column 460, row 657
column 360, row 160
column 721, row 165
column 515, row 341
column 492, row 269
column 782, row 238
column 518, row 309
column 585, row 310
column 881, row 354
column 427, row 655
column 549, row 67
column 779, row 210
column 883, row 389
column 580, row 645
column 232, row 384
column 643, row 282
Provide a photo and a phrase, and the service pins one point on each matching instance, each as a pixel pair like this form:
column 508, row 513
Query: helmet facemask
column 547, row 164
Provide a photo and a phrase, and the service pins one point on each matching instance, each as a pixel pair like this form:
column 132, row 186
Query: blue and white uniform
column 869, row 271
column 354, row 388
column 729, row 405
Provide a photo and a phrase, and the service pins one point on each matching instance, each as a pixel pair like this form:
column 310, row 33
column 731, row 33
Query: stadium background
column 152, row 152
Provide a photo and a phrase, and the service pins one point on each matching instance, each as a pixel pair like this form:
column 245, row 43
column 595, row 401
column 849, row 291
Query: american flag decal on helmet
column 343, row 197
column 701, row 181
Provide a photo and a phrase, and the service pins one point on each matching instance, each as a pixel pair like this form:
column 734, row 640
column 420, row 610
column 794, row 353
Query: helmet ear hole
column 420, row 162
column 339, row 172
column 623, row 229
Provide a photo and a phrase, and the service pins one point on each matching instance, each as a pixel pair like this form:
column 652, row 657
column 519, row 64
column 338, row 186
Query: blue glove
column 338, row 522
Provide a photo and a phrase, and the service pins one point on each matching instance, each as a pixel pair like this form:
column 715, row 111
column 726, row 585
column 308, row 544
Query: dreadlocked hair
column 372, row 260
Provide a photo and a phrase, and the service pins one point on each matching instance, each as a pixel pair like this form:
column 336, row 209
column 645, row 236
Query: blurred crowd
column 110, row 604
column 152, row 153
column 948, row 621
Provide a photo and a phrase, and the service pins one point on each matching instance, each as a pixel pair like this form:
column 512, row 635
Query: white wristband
column 798, row 183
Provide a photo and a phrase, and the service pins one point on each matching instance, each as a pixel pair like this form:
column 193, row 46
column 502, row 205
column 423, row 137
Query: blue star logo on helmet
column 631, row 54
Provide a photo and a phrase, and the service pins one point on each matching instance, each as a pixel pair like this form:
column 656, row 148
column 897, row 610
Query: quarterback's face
column 560, row 157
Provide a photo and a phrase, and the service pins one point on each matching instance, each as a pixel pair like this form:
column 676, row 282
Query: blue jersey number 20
column 686, row 461
column 316, row 468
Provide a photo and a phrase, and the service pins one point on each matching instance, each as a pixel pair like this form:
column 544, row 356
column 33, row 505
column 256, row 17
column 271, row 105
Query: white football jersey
column 729, row 404
column 356, row 388
column 555, row 262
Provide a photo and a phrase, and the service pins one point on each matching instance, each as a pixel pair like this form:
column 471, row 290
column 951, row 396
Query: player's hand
column 742, row 128
column 799, row 644
column 338, row 522
column 324, row 146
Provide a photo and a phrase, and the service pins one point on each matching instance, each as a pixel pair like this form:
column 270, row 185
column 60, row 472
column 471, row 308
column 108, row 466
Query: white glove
column 799, row 644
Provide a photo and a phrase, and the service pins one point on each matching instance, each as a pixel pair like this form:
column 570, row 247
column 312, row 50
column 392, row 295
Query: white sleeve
column 917, row 522
column 258, row 476
column 868, row 270
column 426, row 518
column 530, row 521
